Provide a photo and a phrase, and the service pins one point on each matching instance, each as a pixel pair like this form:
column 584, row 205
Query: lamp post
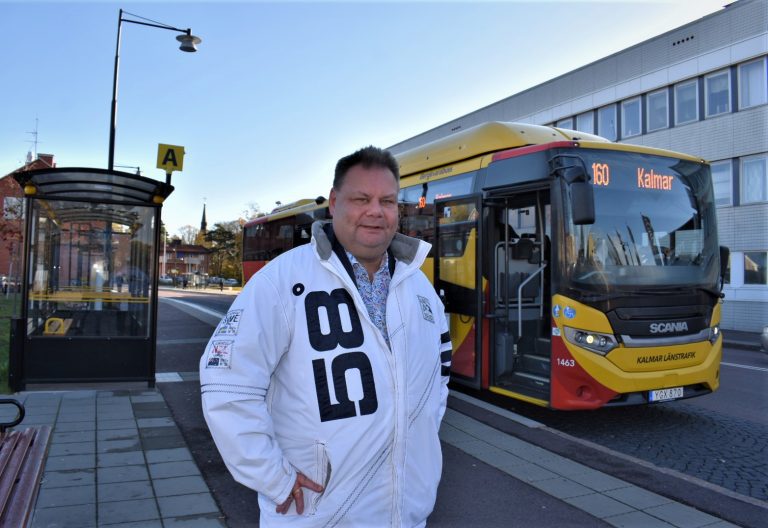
column 188, row 42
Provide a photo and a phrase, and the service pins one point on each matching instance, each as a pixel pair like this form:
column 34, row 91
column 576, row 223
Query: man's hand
column 298, row 495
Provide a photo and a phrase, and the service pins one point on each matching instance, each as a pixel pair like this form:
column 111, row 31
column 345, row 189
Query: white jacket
column 297, row 377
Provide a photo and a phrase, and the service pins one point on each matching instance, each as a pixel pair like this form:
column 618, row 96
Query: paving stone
column 526, row 472
column 151, row 410
column 598, row 481
column 138, row 524
column 58, row 463
column 152, row 432
column 80, row 516
column 66, row 427
column 681, row 515
column 76, row 417
column 599, row 505
column 82, row 448
column 118, row 446
column 127, row 511
column 454, row 436
column 636, row 519
column 637, row 497
column 72, row 436
column 163, row 442
column 103, row 424
column 168, row 455
column 198, row 521
column 561, row 488
column 43, row 419
column 179, row 486
column 71, row 496
column 121, row 491
column 173, row 469
column 145, row 398
column 72, row 477
column 128, row 458
column 108, row 475
column 187, row 505
column 155, row 422
column 118, row 434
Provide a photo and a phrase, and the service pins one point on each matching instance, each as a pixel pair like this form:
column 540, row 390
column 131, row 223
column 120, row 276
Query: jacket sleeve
column 235, row 373
column 446, row 351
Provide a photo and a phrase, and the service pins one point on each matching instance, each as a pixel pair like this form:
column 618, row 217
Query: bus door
column 518, row 239
column 458, row 280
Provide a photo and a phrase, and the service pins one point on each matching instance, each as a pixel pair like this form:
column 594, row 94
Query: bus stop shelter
column 89, row 288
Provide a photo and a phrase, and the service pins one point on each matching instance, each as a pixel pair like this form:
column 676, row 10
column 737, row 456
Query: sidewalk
column 738, row 339
column 117, row 459
column 122, row 458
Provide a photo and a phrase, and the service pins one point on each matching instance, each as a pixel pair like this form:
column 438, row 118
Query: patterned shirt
column 374, row 293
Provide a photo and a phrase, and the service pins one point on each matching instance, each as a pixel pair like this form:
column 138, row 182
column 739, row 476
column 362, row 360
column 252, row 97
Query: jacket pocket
column 321, row 476
column 310, row 458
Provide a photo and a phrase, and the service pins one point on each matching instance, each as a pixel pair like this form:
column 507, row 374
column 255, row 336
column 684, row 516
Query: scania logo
column 665, row 328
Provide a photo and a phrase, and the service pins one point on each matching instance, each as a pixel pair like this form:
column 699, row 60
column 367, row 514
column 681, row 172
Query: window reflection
column 90, row 269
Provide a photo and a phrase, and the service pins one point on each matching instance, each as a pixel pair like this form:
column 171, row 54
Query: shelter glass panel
column 90, row 269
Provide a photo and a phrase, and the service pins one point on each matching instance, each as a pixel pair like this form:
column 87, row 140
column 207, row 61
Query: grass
column 6, row 311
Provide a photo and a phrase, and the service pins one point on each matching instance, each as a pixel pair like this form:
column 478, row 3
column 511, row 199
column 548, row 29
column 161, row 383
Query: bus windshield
column 654, row 225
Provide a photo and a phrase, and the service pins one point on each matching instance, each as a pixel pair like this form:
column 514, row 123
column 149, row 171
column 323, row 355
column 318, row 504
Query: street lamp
column 188, row 42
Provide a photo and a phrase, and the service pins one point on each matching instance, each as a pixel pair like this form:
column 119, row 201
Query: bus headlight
column 714, row 333
column 592, row 341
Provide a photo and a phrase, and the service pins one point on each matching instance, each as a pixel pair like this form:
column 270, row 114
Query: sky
column 279, row 91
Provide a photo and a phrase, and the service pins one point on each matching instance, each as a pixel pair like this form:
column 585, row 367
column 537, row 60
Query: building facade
column 701, row 89
column 12, row 222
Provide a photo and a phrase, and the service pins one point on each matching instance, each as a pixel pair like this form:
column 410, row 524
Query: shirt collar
column 382, row 267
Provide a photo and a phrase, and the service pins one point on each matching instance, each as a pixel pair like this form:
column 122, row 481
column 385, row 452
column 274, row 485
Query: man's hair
column 367, row 157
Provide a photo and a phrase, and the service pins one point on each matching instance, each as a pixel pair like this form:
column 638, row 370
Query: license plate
column 665, row 394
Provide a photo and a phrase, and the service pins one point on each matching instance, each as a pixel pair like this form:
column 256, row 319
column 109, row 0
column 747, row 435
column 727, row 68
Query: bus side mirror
column 582, row 203
column 725, row 255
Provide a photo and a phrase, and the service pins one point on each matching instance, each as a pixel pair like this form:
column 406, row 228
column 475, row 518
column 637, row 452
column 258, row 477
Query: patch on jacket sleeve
column 426, row 309
column 220, row 354
column 230, row 323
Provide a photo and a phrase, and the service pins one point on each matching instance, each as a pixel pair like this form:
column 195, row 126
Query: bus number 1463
column 566, row 362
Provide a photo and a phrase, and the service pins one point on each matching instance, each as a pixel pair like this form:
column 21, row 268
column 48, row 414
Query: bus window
column 416, row 203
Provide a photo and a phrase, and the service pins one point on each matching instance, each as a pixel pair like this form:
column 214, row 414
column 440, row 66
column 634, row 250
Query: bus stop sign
column 170, row 157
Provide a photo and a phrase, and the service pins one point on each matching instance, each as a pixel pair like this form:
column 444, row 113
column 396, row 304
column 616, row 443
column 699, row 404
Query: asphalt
column 132, row 456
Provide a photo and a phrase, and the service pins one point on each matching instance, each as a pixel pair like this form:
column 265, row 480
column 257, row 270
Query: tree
column 252, row 211
column 226, row 247
column 188, row 234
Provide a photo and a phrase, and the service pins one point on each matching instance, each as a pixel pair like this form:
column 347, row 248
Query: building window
column 586, row 122
column 754, row 179
column 752, row 84
column 658, row 110
column 755, row 267
column 565, row 123
column 686, row 102
column 717, row 89
column 721, row 181
column 606, row 122
column 630, row 118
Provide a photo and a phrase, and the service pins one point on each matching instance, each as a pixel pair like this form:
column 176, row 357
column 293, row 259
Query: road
column 721, row 438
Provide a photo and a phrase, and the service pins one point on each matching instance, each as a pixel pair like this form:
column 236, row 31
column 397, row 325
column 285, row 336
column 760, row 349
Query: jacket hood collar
column 403, row 248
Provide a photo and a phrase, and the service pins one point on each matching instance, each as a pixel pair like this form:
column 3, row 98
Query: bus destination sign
column 646, row 178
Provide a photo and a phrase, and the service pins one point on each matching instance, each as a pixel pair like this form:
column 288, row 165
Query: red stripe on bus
column 522, row 151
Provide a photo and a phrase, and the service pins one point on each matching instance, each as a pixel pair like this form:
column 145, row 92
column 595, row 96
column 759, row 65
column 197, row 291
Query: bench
column 22, row 458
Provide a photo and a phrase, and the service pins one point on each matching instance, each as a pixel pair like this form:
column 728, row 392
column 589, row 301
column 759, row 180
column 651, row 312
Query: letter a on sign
column 170, row 157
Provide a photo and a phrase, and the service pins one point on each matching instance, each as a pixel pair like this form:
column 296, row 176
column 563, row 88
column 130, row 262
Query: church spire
column 203, row 223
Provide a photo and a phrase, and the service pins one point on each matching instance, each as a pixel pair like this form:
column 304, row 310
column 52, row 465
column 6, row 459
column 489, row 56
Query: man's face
column 365, row 213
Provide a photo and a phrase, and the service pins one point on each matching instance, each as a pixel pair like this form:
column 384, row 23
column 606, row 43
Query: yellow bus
column 578, row 273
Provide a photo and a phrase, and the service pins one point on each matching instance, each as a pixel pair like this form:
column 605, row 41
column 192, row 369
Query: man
column 325, row 384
